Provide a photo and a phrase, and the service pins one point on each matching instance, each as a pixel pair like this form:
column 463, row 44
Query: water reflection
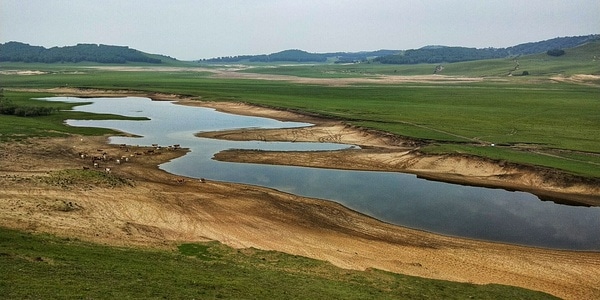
column 404, row 199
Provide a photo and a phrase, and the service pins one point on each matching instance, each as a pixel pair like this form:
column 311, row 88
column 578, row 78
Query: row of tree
column 440, row 55
column 20, row 52
column 428, row 54
column 295, row 55
column 7, row 107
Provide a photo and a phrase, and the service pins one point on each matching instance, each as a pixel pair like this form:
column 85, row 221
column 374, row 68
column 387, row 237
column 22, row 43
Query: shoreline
column 158, row 209
column 386, row 152
column 162, row 210
column 383, row 151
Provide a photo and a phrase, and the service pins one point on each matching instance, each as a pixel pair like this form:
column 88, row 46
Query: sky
column 190, row 30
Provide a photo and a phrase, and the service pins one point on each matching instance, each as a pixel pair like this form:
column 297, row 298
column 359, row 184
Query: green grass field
column 48, row 267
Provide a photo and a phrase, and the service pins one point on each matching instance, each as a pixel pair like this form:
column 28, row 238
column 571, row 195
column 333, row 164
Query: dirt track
column 158, row 209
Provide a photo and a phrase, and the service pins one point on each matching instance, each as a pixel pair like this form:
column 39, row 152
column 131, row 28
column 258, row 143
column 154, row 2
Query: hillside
column 583, row 59
column 300, row 56
column 442, row 54
column 21, row 52
column 427, row 54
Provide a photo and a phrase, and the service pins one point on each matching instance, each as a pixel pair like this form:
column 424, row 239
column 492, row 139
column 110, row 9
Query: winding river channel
column 403, row 199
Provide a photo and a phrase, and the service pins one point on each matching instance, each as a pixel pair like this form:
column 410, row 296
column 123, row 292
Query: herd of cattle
column 102, row 160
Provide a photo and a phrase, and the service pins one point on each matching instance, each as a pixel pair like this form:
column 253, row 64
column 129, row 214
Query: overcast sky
column 188, row 30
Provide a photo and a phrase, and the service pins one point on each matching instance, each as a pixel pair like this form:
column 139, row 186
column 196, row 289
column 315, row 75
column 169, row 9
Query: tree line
column 20, row 52
column 442, row 54
column 7, row 107
column 295, row 55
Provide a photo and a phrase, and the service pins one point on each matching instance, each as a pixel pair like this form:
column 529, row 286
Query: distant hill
column 20, row 52
column 442, row 54
column 427, row 54
column 300, row 56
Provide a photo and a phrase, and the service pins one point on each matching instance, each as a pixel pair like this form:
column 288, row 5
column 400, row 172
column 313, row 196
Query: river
column 398, row 198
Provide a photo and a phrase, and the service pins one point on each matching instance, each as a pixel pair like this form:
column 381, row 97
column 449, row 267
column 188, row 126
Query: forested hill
column 20, row 52
column 428, row 54
column 442, row 54
column 300, row 56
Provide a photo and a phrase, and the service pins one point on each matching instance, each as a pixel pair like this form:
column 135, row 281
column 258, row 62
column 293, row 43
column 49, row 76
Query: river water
column 403, row 199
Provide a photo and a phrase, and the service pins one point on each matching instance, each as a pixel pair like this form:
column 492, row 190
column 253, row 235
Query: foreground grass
column 47, row 267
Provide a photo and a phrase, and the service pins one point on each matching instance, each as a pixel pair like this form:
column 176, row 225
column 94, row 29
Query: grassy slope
column 46, row 267
column 581, row 60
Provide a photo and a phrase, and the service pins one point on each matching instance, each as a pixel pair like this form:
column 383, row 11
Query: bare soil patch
column 232, row 72
column 158, row 209
column 584, row 79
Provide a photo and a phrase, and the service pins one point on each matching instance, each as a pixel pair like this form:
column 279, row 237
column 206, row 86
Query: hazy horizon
column 190, row 30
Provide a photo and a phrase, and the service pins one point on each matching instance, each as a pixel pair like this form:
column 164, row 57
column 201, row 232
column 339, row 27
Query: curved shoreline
column 387, row 152
column 160, row 210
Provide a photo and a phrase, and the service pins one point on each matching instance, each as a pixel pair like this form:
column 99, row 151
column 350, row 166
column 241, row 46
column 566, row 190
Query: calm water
column 403, row 199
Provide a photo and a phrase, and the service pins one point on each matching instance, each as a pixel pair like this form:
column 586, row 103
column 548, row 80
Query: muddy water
column 403, row 199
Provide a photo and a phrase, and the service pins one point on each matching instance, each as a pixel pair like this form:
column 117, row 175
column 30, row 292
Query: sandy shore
column 153, row 208
column 386, row 152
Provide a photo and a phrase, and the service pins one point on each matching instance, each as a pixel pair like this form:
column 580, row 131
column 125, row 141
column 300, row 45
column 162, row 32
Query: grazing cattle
column 180, row 180
column 118, row 161
column 96, row 165
column 86, row 168
column 107, row 170
column 202, row 180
